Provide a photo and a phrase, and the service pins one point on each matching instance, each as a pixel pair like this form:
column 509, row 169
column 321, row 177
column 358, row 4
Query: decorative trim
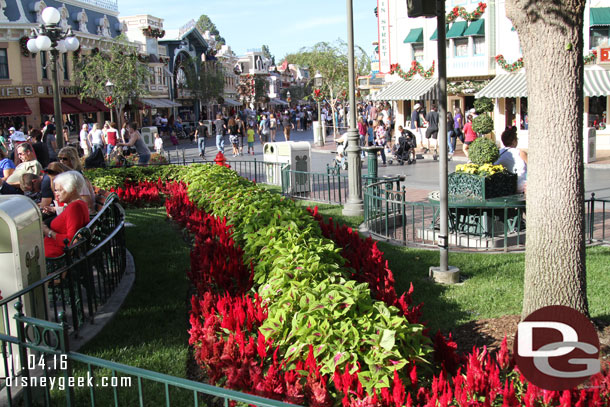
column 514, row 67
column 466, row 87
column 416, row 67
column 459, row 11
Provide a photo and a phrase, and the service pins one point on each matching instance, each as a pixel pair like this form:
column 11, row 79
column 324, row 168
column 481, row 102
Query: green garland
column 416, row 67
column 23, row 45
column 514, row 67
column 459, row 11
column 591, row 58
column 466, row 87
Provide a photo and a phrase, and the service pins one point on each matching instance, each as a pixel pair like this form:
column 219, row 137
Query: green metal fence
column 78, row 283
column 44, row 361
column 389, row 215
column 330, row 187
column 597, row 217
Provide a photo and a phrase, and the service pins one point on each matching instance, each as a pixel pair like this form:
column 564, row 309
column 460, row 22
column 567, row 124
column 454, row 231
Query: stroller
column 341, row 157
column 406, row 148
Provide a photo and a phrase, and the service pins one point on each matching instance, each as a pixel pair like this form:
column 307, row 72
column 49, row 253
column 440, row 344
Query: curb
column 107, row 312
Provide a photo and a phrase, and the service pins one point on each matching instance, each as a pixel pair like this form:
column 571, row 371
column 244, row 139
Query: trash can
column 297, row 154
column 148, row 135
column 22, row 260
column 590, row 145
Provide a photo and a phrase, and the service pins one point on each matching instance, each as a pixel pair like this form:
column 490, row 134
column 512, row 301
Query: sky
column 284, row 25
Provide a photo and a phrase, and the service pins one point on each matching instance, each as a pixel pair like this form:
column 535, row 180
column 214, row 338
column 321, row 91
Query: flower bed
column 283, row 300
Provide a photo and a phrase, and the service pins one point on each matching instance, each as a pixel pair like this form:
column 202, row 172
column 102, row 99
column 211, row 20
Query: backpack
column 265, row 126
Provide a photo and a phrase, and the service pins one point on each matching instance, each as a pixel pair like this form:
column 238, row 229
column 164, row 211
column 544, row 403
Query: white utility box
column 148, row 135
column 590, row 145
column 297, row 154
column 22, row 260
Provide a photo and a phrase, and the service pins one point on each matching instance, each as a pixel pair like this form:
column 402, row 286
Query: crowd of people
column 243, row 128
column 32, row 165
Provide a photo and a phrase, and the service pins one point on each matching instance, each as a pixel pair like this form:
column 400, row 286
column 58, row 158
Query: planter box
column 477, row 186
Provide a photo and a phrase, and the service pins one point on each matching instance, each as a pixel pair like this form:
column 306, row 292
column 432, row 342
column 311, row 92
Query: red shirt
column 112, row 137
column 65, row 225
column 469, row 134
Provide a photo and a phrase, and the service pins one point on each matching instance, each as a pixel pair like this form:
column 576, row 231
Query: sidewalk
column 602, row 156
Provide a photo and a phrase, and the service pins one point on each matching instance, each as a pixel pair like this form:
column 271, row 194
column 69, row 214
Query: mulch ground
column 491, row 332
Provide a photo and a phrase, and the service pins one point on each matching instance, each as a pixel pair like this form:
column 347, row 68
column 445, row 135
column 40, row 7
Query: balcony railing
column 112, row 5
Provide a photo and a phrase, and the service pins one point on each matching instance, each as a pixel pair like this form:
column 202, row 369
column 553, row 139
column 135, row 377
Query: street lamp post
column 50, row 37
column 110, row 89
column 354, row 205
column 318, row 81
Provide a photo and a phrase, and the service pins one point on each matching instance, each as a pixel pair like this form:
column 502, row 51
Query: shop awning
column 81, row 107
column 414, row 89
column 511, row 85
column 599, row 16
column 14, row 107
column 231, row 102
column 278, row 102
column 47, row 107
column 475, row 28
column 159, row 103
column 457, row 29
column 597, row 83
column 435, row 33
column 514, row 85
column 415, row 35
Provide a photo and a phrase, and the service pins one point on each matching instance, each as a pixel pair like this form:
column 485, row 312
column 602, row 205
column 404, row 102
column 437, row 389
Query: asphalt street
column 422, row 176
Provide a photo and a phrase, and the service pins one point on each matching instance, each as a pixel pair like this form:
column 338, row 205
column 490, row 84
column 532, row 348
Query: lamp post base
column 353, row 209
column 449, row 276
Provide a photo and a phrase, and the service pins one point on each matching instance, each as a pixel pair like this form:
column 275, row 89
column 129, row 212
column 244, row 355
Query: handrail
column 177, row 381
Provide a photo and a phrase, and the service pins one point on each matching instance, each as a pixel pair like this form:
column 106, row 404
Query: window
column 43, row 63
column 597, row 112
column 479, row 45
column 598, row 36
column 3, row 64
column 460, row 47
column 523, row 113
column 64, row 63
column 418, row 52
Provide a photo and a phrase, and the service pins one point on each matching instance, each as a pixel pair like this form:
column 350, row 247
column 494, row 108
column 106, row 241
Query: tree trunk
column 551, row 36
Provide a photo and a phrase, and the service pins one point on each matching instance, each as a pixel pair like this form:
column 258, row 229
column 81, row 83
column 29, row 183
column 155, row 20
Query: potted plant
column 481, row 178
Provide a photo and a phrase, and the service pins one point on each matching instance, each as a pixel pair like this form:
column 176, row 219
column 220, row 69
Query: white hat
column 12, row 129
column 472, row 111
column 417, row 106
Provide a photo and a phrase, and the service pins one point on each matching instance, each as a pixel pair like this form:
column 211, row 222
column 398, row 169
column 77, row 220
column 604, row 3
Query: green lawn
column 150, row 330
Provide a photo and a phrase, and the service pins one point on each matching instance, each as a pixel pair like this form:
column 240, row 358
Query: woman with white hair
column 75, row 213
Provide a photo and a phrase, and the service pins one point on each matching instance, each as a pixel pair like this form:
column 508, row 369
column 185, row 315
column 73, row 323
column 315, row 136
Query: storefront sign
column 8, row 92
column 383, row 29
column 604, row 55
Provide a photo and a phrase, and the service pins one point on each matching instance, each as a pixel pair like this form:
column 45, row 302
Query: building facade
column 483, row 59
column 26, row 97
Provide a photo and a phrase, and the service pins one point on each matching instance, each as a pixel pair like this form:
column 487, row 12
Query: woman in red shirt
column 469, row 134
column 112, row 137
column 75, row 213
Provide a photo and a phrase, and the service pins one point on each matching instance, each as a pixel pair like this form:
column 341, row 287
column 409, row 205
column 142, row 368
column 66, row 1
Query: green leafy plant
column 482, row 124
column 484, row 105
column 483, row 151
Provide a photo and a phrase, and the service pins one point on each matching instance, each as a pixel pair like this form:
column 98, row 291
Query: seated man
column 29, row 164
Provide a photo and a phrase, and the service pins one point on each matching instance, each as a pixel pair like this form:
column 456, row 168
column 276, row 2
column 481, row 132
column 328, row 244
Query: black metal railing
column 597, row 217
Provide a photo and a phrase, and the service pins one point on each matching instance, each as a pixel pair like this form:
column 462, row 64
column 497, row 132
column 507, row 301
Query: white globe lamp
column 32, row 46
column 50, row 16
column 72, row 43
column 43, row 43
